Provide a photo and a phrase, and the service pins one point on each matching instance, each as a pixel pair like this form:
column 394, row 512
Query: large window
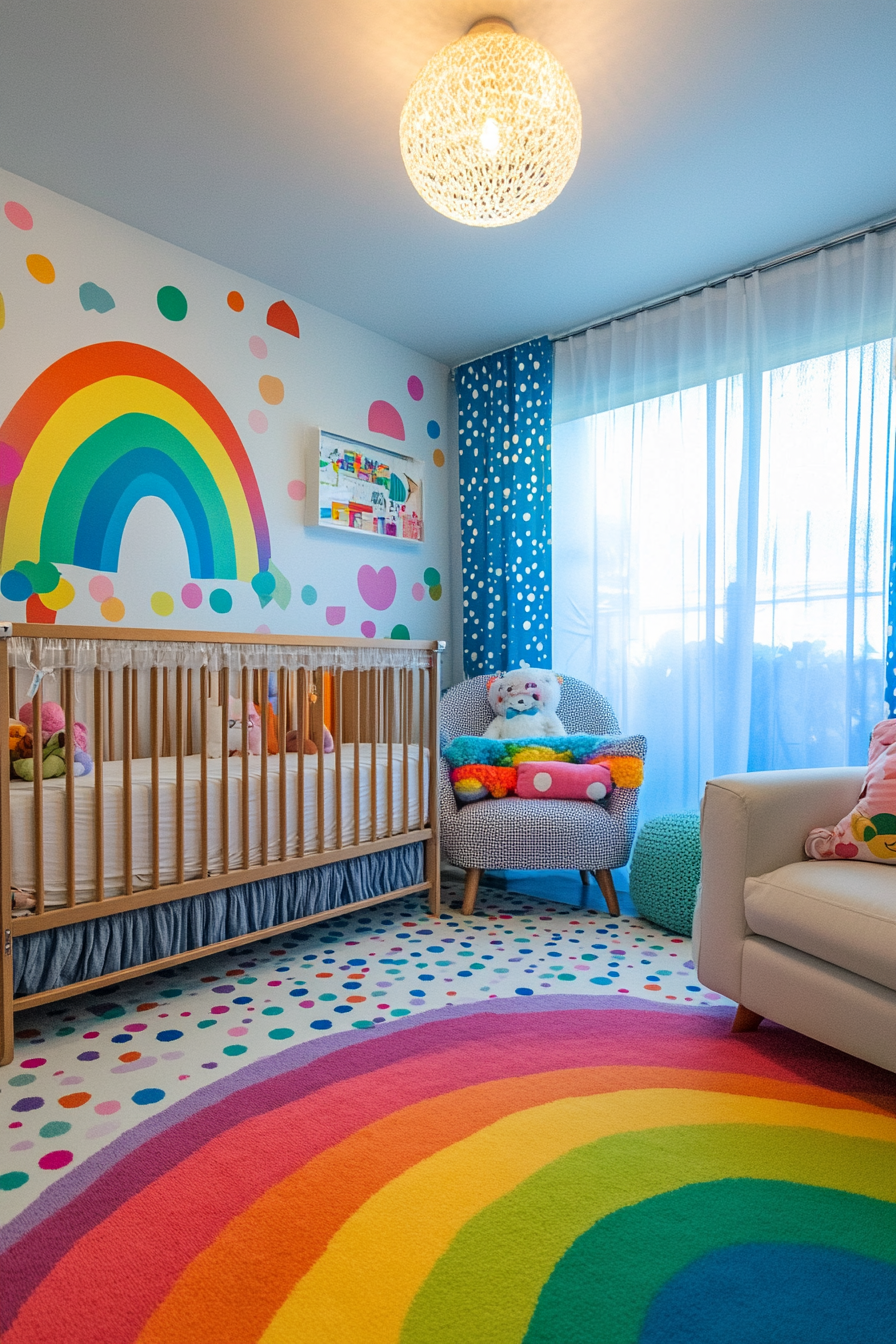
column 719, row 565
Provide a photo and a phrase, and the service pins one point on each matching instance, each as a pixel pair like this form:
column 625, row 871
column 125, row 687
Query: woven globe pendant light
column 492, row 127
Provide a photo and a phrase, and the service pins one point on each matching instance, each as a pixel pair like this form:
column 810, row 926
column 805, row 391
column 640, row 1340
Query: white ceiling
column 264, row 134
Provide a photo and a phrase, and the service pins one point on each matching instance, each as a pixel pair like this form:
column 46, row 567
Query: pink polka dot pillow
column 563, row 779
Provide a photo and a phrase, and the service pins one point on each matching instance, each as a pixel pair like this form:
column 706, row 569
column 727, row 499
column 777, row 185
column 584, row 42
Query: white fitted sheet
column 85, row 796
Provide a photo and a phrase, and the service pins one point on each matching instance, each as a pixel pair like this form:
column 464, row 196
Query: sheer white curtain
column 721, row 495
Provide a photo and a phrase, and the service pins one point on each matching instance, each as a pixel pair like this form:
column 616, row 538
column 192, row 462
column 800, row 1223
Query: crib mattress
column 86, row 798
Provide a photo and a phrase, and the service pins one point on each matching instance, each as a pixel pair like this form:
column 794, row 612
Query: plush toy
column 235, row 729
column 293, row 737
column 52, row 721
column 525, row 704
column 53, row 761
column 868, row 832
column 21, row 746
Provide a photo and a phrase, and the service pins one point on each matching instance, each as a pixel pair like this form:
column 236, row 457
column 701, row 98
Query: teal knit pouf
column 665, row 871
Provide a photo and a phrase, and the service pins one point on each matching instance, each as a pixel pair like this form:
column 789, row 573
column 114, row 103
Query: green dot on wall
column 172, row 303
column 309, row 595
column 435, row 592
column 431, row 577
column 400, row 632
column 220, row 600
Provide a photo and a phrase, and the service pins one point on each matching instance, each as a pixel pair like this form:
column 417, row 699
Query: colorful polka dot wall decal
column 95, row 299
column 433, row 429
column 172, row 303
column 335, row 615
column 258, row 421
column 377, row 587
column 220, row 600
column 400, row 632
column 438, row 457
column 435, row 592
column 258, row 347
column 368, row 629
column 383, row 418
column 418, row 592
column 262, row 630
column 2, row 313
column 10, row 464
column 112, row 609
column 282, row 318
column 162, row 603
column 36, row 613
column 308, row 595
column 14, row 586
column 100, row 587
column 235, row 301
column 264, row 584
column 270, row 390
column 296, row 490
column 41, row 268
column 61, row 596
column 42, row 574
column 191, row 596
column 415, row 388
column 431, row 577
column 18, row 215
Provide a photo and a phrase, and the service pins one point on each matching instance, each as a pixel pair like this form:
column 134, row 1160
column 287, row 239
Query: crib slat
column 166, row 715
column 68, row 701
column 203, row 770
column 337, row 745
column 318, row 735
column 224, row 697
column 110, row 712
column 390, row 733
column 432, row 871
column 301, row 712
column 244, row 697
column 154, row 769
column 404, row 681
column 38, row 787
column 126, row 780
column 421, row 678
column 373, row 677
column 135, row 717
column 189, row 711
column 281, row 747
column 179, row 771
column 356, row 682
column 263, row 801
column 99, row 748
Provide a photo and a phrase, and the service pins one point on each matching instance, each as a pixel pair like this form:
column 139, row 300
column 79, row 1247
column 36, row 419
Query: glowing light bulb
column 490, row 139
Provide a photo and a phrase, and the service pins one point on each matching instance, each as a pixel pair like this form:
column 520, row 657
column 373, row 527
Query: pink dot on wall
column 258, row 421
column 262, row 630
column 296, row 489
column 418, row 592
column 335, row 615
column 368, row 629
column 191, row 595
column 415, row 388
column 101, row 588
column 17, row 214
column 258, row 347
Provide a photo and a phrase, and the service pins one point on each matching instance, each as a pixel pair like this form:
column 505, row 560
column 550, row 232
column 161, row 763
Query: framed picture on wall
column 359, row 487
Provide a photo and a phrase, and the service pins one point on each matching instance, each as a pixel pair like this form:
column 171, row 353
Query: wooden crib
column 193, row 791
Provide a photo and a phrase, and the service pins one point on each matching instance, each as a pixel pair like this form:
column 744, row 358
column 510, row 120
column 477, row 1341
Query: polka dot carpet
column 528, row 1125
column 90, row 1068
column 504, row 436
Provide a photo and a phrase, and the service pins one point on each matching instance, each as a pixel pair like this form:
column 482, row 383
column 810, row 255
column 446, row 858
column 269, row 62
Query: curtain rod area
column 768, row 264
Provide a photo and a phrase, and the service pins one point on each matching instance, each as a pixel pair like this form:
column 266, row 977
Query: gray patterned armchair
column 536, row 833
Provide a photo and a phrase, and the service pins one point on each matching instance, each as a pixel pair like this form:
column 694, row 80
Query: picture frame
column 361, row 488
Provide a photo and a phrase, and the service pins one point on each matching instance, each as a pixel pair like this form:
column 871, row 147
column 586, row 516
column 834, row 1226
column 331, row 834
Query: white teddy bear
column 525, row 704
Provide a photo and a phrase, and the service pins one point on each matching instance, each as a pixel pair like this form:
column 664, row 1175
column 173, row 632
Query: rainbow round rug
column 547, row 1171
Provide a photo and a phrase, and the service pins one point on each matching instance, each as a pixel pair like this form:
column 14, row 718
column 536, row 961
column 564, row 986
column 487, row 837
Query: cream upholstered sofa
column 809, row 944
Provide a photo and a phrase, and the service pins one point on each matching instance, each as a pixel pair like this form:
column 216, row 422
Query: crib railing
column 183, row 726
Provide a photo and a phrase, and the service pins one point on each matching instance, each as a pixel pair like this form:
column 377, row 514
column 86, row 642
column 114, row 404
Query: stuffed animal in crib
column 235, row 729
column 525, row 704
column 52, row 721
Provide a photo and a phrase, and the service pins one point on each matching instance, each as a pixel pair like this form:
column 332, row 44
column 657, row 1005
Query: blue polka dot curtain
column 504, row 433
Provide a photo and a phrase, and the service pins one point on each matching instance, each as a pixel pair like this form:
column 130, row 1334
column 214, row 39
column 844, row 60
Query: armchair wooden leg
column 583, row 899
column 608, row 891
column 745, row 1019
column 471, row 886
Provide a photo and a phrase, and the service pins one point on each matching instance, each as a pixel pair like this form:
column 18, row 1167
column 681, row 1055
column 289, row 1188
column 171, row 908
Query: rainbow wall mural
column 102, row 428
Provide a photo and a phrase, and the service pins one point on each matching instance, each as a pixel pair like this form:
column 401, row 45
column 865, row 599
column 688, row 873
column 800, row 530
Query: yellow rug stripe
column 363, row 1285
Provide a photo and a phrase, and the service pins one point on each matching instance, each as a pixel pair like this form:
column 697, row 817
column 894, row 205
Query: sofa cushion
column 842, row 912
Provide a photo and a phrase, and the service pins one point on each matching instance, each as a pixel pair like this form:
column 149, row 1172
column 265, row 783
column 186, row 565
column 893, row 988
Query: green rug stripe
column 626, row 1258
column 486, row 1285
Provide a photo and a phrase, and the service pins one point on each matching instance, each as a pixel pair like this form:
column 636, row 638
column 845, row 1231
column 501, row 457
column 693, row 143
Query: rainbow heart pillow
column 869, row 831
column 563, row 779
